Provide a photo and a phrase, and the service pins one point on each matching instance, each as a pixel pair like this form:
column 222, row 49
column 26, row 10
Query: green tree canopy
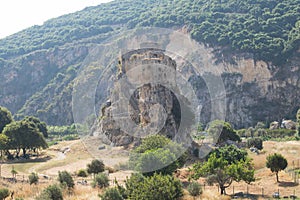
column 101, row 180
column 225, row 165
column 95, row 167
column 276, row 163
column 24, row 135
column 153, row 187
column 52, row 192
column 111, row 194
column 157, row 154
column 3, row 142
column 42, row 126
column 4, row 193
column 222, row 131
column 255, row 142
column 65, row 178
column 5, row 117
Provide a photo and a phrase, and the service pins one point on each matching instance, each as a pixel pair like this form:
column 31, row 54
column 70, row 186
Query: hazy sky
column 16, row 15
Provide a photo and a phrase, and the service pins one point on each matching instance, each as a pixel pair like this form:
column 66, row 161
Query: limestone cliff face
column 135, row 109
column 255, row 90
column 41, row 84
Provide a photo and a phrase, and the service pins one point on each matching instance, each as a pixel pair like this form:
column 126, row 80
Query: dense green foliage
column 157, row 154
column 222, row 131
column 4, row 193
column 268, row 134
column 194, row 188
column 62, row 133
column 280, row 133
column 5, row 117
column 42, row 126
column 66, row 179
column 255, row 142
column 82, row 173
column 47, row 57
column 276, row 162
column 225, row 165
column 95, row 167
column 101, row 180
column 62, row 130
column 111, row 194
column 153, row 187
column 24, row 135
column 52, row 192
column 270, row 29
column 33, row 178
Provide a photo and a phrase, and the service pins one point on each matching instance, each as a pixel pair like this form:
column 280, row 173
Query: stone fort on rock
column 143, row 100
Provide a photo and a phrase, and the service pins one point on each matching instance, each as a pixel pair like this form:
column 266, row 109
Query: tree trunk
column 17, row 153
column 222, row 188
column 277, row 178
column 24, row 152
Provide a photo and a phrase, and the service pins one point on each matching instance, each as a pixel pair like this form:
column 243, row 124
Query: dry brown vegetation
column 53, row 160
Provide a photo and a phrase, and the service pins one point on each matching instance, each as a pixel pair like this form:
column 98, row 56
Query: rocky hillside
column 254, row 45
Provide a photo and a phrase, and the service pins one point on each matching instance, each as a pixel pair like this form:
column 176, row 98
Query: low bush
column 255, row 142
column 194, row 188
column 157, row 186
column 33, row 178
column 101, row 180
column 52, row 192
column 111, row 194
column 4, row 193
column 65, row 178
column 82, row 173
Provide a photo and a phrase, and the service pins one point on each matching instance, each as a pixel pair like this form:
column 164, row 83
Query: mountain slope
column 38, row 65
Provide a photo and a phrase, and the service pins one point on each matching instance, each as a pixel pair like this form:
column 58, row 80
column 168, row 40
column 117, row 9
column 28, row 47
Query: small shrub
column 255, row 142
column 82, row 173
column 65, row 177
column 52, row 192
column 101, row 181
column 157, row 186
column 33, row 178
column 111, row 194
column 4, row 193
column 110, row 169
column 194, row 188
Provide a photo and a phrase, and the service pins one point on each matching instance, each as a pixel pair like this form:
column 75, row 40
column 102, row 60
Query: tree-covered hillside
column 39, row 65
column 268, row 28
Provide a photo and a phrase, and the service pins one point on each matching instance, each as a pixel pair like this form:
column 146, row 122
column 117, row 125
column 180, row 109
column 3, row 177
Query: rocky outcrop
column 41, row 84
column 151, row 108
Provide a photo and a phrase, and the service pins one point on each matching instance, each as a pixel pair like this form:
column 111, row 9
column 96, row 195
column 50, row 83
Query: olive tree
column 225, row 165
column 276, row 163
column 5, row 117
column 95, row 167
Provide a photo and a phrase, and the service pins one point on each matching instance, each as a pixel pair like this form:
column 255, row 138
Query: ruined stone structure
column 141, row 102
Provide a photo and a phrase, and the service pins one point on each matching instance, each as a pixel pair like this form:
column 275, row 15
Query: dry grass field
column 78, row 155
